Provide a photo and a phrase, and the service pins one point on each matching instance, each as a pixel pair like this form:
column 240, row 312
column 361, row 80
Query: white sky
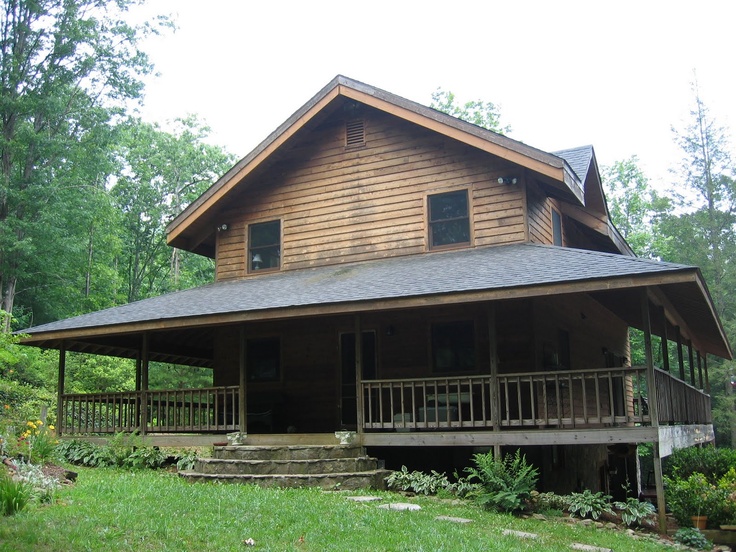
column 564, row 73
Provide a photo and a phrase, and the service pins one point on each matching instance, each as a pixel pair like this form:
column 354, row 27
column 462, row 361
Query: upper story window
column 449, row 220
column 556, row 228
column 264, row 246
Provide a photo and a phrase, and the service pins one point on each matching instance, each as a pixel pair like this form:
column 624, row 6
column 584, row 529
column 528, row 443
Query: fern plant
column 504, row 483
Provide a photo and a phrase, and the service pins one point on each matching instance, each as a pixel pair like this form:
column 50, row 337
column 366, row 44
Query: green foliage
column 710, row 461
column 85, row 453
column 186, row 459
column 633, row 512
column 504, row 484
column 477, row 112
column 692, row 537
column 549, row 502
column 695, row 496
column 124, row 450
column 590, row 504
column 43, row 488
column 14, row 495
column 145, row 458
column 417, row 481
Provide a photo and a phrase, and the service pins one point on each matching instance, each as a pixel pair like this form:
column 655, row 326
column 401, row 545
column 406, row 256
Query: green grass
column 109, row 509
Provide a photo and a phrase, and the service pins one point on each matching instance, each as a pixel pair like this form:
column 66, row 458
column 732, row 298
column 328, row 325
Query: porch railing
column 556, row 399
column 205, row 410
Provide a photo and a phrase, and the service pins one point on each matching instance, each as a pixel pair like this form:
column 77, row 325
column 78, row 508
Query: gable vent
column 355, row 133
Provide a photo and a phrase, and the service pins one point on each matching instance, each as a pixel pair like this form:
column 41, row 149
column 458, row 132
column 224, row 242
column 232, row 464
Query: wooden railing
column 565, row 398
column 679, row 402
column 205, row 410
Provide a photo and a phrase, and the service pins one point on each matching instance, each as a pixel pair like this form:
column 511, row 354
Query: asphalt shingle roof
column 578, row 159
column 468, row 270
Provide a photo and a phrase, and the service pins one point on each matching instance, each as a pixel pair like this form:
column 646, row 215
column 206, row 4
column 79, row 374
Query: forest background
column 87, row 188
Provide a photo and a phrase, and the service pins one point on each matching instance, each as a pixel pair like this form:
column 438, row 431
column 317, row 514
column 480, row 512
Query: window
column 556, row 228
column 263, row 359
column 449, row 223
column 264, row 251
column 453, row 347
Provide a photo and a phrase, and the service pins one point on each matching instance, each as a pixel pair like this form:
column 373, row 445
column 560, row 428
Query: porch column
column 243, row 391
column 705, row 369
column 60, row 390
column 700, row 371
column 665, row 348
column 653, row 410
column 680, row 358
column 691, row 361
column 138, row 376
column 359, row 372
column 493, row 352
column 143, row 420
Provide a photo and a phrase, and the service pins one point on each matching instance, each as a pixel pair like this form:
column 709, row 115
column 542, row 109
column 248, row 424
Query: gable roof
column 197, row 223
column 480, row 274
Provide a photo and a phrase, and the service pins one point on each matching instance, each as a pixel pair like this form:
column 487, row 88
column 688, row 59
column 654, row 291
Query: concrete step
column 374, row 479
column 231, row 466
column 290, row 452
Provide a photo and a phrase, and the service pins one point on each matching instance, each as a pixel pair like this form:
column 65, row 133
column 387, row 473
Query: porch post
column 143, row 420
column 60, row 390
column 359, row 372
column 493, row 352
column 700, row 370
column 653, row 410
column 243, row 391
column 665, row 348
column 138, row 376
column 705, row 369
column 680, row 358
column 691, row 360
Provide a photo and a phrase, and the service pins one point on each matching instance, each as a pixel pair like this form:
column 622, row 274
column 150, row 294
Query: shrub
column 549, row 502
column 633, row 511
column 712, row 462
column 504, row 484
column 416, row 481
column 145, row 457
column 14, row 495
column 694, row 496
column 186, row 459
column 689, row 536
column 590, row 504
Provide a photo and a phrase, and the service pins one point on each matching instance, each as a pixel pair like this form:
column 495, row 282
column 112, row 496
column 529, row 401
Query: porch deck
column 610, row 399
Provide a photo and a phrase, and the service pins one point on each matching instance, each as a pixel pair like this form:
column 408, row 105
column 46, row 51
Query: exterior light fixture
column 507, row 180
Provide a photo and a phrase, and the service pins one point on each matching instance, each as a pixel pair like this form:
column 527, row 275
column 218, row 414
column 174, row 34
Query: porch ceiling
column 453, row 277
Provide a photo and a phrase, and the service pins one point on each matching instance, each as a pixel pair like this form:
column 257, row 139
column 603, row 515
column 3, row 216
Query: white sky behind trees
column 616, row 75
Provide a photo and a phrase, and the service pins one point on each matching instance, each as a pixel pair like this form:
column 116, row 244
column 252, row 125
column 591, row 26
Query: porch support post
column 665, row 348
column 653, row 410
column 243, row 391
column 493, row 361
column 60, row 390
column 700, row 371
column 138, row 376
column 705, row 369
column 359, row 373
column 143, row 420
column 680, row 358
column 691, row 360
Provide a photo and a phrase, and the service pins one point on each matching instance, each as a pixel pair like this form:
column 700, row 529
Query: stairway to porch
column 324, row 466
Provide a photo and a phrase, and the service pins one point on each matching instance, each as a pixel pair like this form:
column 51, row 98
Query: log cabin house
column 436, row 287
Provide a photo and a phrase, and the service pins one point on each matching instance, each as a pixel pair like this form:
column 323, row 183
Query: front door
column 348, row 394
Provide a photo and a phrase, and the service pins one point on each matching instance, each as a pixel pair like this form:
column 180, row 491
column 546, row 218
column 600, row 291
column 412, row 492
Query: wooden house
column 433, row 286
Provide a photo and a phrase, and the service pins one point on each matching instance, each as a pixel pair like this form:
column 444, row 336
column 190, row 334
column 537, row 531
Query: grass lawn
column 110, row 509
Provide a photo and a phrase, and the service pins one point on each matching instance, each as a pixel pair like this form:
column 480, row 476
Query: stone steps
column 326, row 467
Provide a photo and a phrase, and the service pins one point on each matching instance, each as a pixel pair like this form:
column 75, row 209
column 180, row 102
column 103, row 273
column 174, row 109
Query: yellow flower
column 39, row 422
column 52, row 428
column 31, row 425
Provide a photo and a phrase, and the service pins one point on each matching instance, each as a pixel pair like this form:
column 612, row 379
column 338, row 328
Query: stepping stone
column 401, row 506
column 364, row 498
column 520, row 534
column 453, row 519
column 578, row 546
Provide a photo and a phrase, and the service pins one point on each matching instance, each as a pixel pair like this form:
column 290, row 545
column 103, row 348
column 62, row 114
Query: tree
column 635, row 207
column 483, row 114
column 67, row 69
column 162, row 173
column 703, row 233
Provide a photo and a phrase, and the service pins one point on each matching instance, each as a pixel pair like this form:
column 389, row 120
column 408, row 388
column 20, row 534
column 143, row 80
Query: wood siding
column 540, row 222
column 341, row 204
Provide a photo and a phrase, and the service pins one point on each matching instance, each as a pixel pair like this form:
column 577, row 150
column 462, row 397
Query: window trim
column 429, row 222
column 248, row 249
column 554, row 212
